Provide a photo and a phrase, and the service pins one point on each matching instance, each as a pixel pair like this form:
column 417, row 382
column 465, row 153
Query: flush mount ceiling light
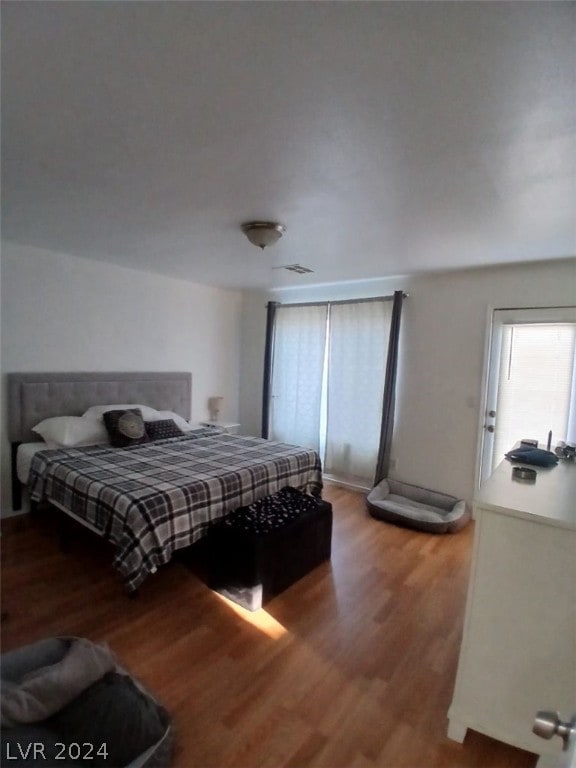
column 263, row 233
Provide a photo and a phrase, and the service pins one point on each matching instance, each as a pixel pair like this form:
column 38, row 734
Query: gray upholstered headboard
column 36, row 396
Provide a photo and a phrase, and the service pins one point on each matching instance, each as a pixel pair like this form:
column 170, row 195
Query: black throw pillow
column 125, row 427
column 116, row 712
column 162, row 430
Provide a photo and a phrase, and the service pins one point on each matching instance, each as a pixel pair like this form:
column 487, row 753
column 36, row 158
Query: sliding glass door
column 358, row 345
column 327, row 382
column 297, row 365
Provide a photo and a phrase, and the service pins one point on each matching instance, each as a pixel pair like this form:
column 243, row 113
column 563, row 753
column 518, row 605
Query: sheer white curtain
column 296, row 389
column 358, row 347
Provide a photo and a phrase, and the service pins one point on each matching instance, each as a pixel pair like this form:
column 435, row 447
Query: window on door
column 535, row 388
column 531, row 381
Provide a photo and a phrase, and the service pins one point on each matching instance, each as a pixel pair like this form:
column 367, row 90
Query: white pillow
column 96, row 411
column 178, row 420
column 70, row 431
column 196, row 426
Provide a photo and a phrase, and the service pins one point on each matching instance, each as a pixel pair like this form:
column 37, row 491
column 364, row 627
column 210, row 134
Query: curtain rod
column 341, row 301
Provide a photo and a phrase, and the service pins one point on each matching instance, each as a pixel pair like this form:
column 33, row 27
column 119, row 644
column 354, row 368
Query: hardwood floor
column 352, row 667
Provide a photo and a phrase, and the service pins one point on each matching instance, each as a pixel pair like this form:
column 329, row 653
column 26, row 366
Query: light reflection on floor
column 259, row 619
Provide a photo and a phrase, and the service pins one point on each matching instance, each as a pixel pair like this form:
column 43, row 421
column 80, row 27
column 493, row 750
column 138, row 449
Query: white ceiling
column 389, row 137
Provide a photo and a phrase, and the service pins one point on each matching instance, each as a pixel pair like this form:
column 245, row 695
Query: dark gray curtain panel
column 389, row 399
column 270, row 315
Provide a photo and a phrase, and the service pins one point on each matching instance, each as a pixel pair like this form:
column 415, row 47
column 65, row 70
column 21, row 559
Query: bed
column 148, row 500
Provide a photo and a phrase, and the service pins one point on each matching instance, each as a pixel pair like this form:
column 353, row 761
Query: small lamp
column 214, row 406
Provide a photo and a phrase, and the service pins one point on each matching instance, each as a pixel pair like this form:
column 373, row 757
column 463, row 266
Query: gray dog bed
column 418, row 508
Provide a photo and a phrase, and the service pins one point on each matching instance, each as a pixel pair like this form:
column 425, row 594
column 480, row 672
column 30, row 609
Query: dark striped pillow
column 161, row 430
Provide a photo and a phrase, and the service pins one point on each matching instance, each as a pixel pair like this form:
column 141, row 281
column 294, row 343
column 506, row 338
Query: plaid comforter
column 152, row 499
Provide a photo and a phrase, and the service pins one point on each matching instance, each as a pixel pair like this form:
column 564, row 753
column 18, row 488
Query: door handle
column 548, row 724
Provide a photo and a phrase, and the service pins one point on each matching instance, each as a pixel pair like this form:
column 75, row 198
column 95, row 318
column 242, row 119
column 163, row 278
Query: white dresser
column 518, row 651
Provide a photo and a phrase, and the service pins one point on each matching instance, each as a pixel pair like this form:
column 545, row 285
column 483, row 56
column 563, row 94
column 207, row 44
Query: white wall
column 61, row 313
column 441, row 360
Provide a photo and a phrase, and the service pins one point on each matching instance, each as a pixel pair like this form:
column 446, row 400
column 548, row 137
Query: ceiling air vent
column 298, row 268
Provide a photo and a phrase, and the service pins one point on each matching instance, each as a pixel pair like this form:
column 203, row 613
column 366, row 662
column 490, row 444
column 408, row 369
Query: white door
column 531, row 381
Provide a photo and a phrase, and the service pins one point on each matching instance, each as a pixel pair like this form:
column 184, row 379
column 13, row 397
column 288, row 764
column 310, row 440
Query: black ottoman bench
column 260, row 550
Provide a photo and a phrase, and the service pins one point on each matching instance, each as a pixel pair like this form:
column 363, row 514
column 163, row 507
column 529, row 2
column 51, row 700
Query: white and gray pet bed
column 418, row 508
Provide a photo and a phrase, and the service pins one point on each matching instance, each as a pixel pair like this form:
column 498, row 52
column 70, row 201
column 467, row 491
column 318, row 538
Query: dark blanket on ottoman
column 261, row 550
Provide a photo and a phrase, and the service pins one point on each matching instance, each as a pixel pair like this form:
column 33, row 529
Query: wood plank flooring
column 352, row 667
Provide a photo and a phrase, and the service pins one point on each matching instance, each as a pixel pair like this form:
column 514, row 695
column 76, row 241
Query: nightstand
column 224, row 426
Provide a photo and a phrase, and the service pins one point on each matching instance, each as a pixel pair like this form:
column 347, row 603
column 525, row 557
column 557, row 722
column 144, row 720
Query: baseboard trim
column 7, row 514
column 350, row 484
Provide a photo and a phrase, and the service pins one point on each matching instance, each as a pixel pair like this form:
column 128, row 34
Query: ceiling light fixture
column 263, row 233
